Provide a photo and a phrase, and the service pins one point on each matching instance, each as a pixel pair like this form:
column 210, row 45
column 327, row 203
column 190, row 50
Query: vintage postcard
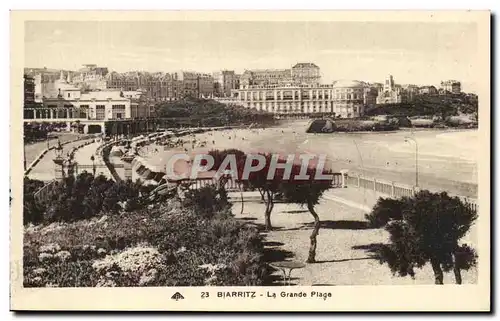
column 250, row 161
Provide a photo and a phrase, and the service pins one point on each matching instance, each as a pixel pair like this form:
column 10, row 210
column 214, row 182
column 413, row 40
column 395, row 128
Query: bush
column 384, row 211
column 208, row 201
column 185, row 246
column 80, row 198
column 426, row 228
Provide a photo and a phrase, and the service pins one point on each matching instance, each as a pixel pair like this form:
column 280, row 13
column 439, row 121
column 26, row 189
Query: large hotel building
column 299, row 91
column 344, row 98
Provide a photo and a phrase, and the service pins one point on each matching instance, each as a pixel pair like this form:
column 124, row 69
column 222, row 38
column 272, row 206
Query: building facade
column 451, row 86
column 224, row 82
column 266, row 77
column 29, row 90
column 342, row 99
column 302, row 73
column 391, row 93
column 96, row 105
column 155, row 86
column 427, row 90
column 90, row 77
column 194, row 84
column 305, row 73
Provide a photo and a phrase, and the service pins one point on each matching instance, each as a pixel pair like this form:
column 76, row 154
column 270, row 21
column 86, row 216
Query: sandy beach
column 446, row 157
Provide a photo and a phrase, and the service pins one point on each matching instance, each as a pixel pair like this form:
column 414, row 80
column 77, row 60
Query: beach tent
column 116, row 151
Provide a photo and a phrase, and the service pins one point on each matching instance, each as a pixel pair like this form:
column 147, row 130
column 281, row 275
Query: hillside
column 207, row 112
column 442, row 106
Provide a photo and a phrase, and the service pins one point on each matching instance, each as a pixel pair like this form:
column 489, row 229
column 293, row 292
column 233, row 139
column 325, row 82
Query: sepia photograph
column 281, row 158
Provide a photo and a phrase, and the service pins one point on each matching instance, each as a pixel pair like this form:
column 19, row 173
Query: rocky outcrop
column 327, row 125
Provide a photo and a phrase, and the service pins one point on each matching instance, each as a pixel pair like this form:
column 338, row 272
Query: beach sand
column 446, row 157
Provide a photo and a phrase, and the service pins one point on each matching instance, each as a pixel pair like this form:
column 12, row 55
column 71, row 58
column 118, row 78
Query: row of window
column 314, row 109
column 269, row 95
column 313, row 105
column 305, row 97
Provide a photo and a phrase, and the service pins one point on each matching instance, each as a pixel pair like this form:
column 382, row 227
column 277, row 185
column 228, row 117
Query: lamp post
column 59, row 161
column 92, row 158
column 407, row 139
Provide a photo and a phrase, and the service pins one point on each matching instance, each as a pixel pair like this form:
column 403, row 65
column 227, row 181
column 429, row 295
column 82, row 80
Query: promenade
column 344, row 243
column 44, row 170
column 83, row 155
column 34, row 149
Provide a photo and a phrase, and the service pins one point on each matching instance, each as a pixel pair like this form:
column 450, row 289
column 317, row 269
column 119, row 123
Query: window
column 117, row 111
column 82, row 113
column 69, row 95
column 99, row 112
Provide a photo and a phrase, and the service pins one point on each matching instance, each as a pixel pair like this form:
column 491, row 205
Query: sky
column 413, row 52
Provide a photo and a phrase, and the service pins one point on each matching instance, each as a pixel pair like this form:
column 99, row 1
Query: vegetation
column 207, row 112
column 442, row 106
column 426, row 228
column 190, row 242
column 79, row 198
column 34, row 132
column 288, row 187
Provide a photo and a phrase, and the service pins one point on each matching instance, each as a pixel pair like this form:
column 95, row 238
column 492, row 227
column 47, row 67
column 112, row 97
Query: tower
column 389, row 83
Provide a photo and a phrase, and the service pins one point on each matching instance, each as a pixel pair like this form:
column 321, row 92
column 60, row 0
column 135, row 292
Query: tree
column 306, row 192
column 293, row 189
column 267, row 187
column 427, row 230
column 385, row 210
column 219, row 156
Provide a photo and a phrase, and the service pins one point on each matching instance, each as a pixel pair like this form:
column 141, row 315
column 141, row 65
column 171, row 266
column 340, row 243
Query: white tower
column 389, row 83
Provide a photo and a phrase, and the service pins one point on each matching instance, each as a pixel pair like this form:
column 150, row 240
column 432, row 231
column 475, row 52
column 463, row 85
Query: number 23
column 205, row 295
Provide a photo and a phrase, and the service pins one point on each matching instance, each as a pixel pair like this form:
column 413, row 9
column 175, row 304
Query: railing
column 43, row 193
column 194, row 184
column 337, row 180
column 394, row 190
column 233, row 185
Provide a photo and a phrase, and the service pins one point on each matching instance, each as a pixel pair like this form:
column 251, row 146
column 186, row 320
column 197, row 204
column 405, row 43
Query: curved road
column 44, row 170
column 82, row 157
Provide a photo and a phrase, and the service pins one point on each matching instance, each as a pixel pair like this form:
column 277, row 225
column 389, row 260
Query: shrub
column 208, row 201
column 189, row 247
column 428, row 230
column 385, row 210
column 79, row 198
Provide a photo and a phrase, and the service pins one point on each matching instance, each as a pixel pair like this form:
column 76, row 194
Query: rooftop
column 305, row 65
column 103, row 95
column 348, row 83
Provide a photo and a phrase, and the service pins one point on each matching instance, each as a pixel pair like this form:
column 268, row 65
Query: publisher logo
column 177, row 296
